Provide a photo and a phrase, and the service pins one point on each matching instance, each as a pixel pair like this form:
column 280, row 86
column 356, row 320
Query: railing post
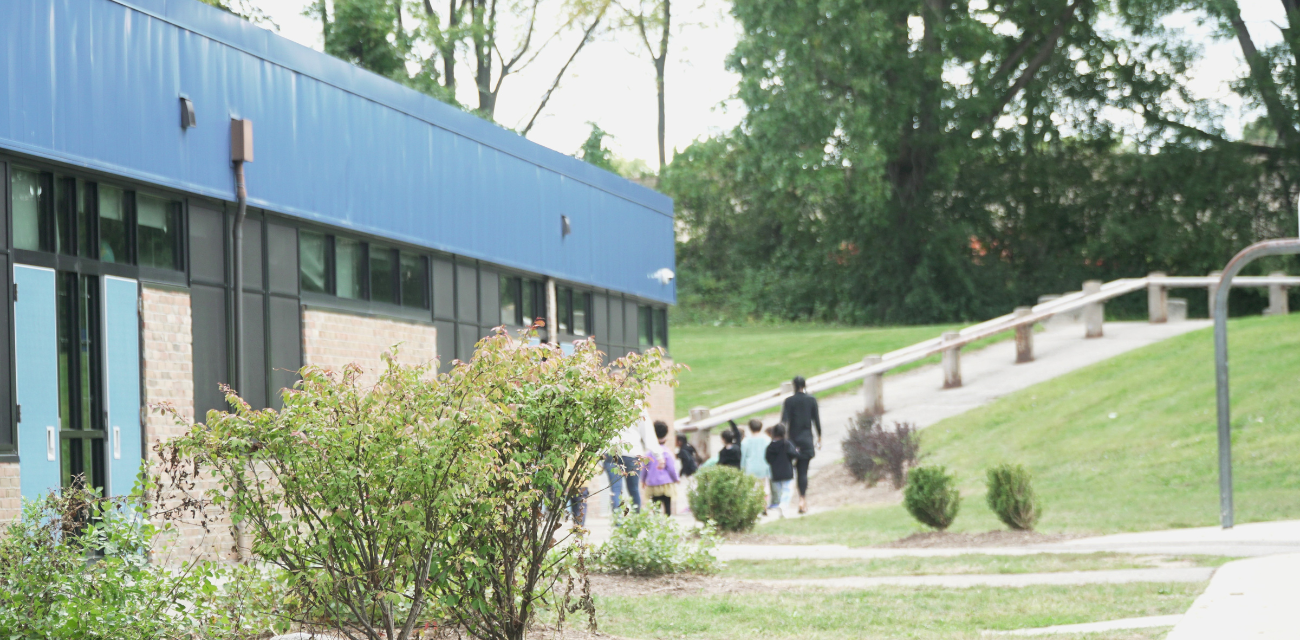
column 701, row 437
column 1024, row 337
column 1157, row 299
column 1277, row 302
column 1094, row 313
column 787, row 388
column 873, row 388
column 951, row 362
column 1212, row 289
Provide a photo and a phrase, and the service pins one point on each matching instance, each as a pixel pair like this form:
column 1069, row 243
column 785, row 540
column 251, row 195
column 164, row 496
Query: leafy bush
column 1011, row 496
column 871, row 452
column 649, row 543
column 425, row 496
column 49, row 590
column 932, row 496
column 728, row 497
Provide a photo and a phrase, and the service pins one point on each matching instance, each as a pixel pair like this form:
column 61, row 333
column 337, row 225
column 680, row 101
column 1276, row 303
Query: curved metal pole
column 1284, row 247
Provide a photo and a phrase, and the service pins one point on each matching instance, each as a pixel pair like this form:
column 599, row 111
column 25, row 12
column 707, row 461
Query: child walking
column 753, row 452
column 660, row 476
column 780, row 457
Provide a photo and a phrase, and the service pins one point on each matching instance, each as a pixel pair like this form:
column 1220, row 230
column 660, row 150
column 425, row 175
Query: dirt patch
column 676, row 585
column 930, row 539
column 833, row 487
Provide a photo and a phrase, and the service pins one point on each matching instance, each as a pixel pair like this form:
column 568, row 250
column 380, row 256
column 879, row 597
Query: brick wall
column 333, row 339
column 10, row 500
column 169, row 379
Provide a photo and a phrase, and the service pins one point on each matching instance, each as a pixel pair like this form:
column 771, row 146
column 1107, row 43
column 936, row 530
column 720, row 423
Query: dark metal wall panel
column 631, row 329
column 207, row 245
column 466, row 337
column 253, row 254
column 466, row 292
column 208, row 309
column 285, row 332
column 282, row 259
column 489, row 283
column 254, row 359
column 8, row 439
column 446, row 337
column 600, row 317
column 96, row 83
column 444, row 289
column 616, row 321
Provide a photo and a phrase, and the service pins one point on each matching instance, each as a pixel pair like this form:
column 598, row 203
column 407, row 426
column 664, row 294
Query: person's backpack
column 686, row 455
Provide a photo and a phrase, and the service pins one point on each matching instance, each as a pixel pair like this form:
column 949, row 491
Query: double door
column 77, row 365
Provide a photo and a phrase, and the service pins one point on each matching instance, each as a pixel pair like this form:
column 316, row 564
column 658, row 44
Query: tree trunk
column 660, row 64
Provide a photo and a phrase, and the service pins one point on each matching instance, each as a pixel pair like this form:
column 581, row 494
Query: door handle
column 117, row 443
column 51, row 444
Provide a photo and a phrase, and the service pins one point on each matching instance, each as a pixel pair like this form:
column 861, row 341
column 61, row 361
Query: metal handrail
column 1038, row 313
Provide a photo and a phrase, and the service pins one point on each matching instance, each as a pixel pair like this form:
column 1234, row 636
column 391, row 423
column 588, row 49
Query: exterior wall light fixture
column 187, row 114
column 565, row 227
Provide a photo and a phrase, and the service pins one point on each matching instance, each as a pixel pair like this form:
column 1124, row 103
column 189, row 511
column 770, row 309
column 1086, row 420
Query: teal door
column 37, row 381
column 122, row 382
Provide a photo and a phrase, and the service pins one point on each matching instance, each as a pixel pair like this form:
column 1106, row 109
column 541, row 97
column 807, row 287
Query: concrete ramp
column 990, row 373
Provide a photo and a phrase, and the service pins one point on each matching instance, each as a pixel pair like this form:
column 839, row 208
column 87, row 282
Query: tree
column 593, row 149
column 651, row 20
column 933, row 160
column 245, row 9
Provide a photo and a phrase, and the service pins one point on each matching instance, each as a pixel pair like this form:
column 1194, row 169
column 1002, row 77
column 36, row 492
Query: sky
column 611, row 83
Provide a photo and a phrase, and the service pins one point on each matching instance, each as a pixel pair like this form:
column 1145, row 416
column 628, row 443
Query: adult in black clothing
column 799, row 415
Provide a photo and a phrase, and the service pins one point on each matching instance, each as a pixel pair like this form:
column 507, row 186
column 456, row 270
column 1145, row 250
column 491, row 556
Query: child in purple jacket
column 660, row 477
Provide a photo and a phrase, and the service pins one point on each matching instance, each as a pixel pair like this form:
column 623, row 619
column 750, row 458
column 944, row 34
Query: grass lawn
column 730, row 363
column 1124, row 445
column 953, row 565
column 894, row 612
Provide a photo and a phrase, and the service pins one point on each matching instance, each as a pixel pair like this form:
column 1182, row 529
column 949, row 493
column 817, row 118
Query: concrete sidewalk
column 1246, row 540
column 1257, row 599
column 965, row 581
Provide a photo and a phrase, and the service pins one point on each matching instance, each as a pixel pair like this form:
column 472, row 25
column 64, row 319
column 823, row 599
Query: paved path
column 1256, row 599
column 1149, row 622
column 1115, row 576
column 988, row 374
column 1246, row 540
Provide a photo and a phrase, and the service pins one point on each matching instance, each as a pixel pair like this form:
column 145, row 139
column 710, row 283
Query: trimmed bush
column 932, row 496
column 871, row 452
column 1012, row 498
column 728, row 497
column 649, row 543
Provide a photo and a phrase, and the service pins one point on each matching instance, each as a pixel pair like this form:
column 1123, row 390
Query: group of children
column 647, row 464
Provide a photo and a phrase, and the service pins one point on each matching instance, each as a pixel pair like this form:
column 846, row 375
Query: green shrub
column 49, row 590
column 728, row 497
column 1011, row 496
column 648, row 543
column 931, row 496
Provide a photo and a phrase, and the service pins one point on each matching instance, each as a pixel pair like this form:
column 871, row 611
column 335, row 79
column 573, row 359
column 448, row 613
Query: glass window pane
column 529, row 302
column 85, row 219
column 645, row 333
column 313, row 266
column 349, row 268
column 509, row 293
column 415, row 281
column 88, row 353
column 65, row 326
column 564, row 305
column 30, row 195
column 661, row 327
column 157, row 231
column 65, row 203
column 581, row 311
column 113, row 245
column 383, row 274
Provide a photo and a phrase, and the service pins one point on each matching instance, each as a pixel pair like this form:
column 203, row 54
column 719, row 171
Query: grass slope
column 730, row 363
column 1153, row 465
column 887, row 612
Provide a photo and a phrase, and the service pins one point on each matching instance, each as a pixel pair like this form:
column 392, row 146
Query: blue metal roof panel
column 95, row 83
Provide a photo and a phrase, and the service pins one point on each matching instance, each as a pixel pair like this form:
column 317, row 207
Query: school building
column 374, row 215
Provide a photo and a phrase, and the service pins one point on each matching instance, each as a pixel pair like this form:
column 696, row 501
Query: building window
column 313, row 257
column 74, row 217
column 645, row 326
column 573, row 311
column 510, row 303
column 414, row 280
column 582, row 314
column 383, row 274
column 564, row 309
column 158, row 232
column 80, row 381
column 349, row 268
column 523, row 301
column 661, row 327
column 32, row 215
column 114, row 222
